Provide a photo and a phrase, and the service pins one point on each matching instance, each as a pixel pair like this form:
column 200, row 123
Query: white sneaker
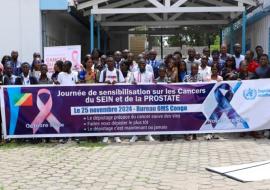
column 117, row 139
column 133, row 139
column 149, row 138
column 208, row 137
column 105, row 139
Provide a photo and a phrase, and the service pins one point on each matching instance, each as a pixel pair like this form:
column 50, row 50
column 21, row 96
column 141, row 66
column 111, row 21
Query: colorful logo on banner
column 224, row 94
column 24, row 100
column 17, row 100
column 250, row 94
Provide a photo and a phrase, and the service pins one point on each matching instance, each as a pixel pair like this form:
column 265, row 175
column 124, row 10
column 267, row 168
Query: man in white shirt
column 111, row 75
column 204, row 70
column 142, row 77
column 134, row 66
column 67, row 77
column 237, row 55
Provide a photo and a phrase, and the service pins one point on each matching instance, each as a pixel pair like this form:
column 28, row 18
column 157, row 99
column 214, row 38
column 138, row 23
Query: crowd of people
column 124, row 67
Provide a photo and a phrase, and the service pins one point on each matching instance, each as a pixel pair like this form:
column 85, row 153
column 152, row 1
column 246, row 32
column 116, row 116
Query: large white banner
column 64, row 53
column 106, row 110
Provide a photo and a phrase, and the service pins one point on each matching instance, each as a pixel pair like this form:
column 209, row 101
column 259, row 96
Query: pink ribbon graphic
column 45, row 112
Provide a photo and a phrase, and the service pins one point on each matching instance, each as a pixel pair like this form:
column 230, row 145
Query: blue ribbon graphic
column 224, row 106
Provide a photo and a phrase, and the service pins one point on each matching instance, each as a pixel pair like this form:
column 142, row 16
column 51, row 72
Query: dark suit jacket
column 19, row 80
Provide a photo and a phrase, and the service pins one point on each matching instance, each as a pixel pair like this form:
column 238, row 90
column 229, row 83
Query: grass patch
column 90, row 144
column 15, row 144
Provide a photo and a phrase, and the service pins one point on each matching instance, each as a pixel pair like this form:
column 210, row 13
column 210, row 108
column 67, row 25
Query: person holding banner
column 243, row 71
column 67, row 77
column 214, row 77
column 194, row 76
column 26, row 78
column 162, row 75
column 44, row 79
column 263, row 71
column 89, row 74
column 111, row 75
column 134, row 66
column 142, row 77
column 229, row 71
column 163, row 79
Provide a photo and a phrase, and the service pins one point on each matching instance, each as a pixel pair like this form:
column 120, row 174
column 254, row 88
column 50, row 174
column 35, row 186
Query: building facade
column 28, row 26
column 257, row 31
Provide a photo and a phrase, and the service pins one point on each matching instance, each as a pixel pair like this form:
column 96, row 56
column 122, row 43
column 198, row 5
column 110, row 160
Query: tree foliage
column 192, row 36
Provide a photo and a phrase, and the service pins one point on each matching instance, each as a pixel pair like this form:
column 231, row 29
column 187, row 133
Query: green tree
column 215, row 45
column 175, row 41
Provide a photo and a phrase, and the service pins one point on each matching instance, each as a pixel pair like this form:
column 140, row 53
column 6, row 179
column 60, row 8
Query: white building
column 29, row 25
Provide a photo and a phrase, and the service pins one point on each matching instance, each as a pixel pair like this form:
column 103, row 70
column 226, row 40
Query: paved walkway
column 157, row 166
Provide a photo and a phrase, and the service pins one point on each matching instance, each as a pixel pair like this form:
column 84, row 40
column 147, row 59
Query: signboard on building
column 64, row 53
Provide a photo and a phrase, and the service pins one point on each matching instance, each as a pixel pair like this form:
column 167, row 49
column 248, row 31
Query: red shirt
column 252, row 66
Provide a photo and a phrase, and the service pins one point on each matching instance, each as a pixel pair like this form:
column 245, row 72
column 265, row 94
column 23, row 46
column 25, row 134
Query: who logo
column 250, row 94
